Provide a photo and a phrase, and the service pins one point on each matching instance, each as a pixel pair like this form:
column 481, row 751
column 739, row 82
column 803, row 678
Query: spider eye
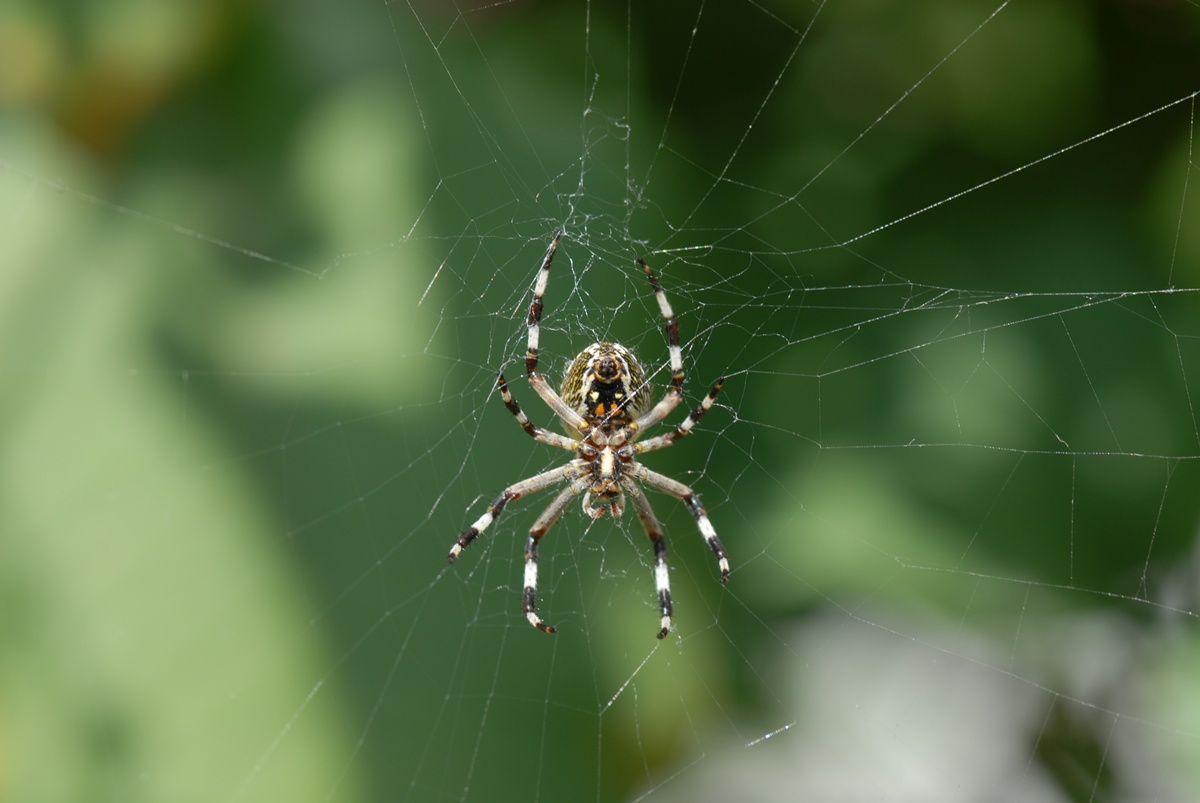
column 608, row 369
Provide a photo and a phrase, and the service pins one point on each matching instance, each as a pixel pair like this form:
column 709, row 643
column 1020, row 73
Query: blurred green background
column 260, row 263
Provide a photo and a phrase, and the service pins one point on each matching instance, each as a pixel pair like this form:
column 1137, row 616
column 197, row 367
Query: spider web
column 261, row 269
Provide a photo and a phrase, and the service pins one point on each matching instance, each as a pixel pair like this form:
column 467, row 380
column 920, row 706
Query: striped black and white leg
column 534, row 484
column 535, row 309
column 688, row 497
column 662, row 441
column 537, row 433
column 543, row 523
column 662, row 578
column 674, row 393
column 569, row 417
column 672, row 327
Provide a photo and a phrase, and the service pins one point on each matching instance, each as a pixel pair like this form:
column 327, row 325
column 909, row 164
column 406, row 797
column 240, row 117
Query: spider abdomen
column 605, row 382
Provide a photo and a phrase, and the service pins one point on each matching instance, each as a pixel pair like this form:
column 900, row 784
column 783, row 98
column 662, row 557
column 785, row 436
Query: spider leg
column 543, row 523
column 672, row 327
column 686, row 495
column 537, row 433
column 675, row 392
column 535, row 309
column 533, row 484
column 571, row 418
column 662, row 441
column 662, row 580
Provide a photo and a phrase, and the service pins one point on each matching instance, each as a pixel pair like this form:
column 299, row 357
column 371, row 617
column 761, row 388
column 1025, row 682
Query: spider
column 604, row 404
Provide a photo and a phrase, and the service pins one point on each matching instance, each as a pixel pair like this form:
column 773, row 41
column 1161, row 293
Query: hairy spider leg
column 535, row 308
column 537, row 433
column 533, row 484
column 674, row 393
column 686, row 495
column 543, row 523
column 672, row 327
column 665, row 440
column 662, row 580
column 569, row 417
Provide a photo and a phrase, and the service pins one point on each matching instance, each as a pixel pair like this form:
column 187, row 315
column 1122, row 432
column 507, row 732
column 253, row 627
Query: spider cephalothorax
column 604, row 405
